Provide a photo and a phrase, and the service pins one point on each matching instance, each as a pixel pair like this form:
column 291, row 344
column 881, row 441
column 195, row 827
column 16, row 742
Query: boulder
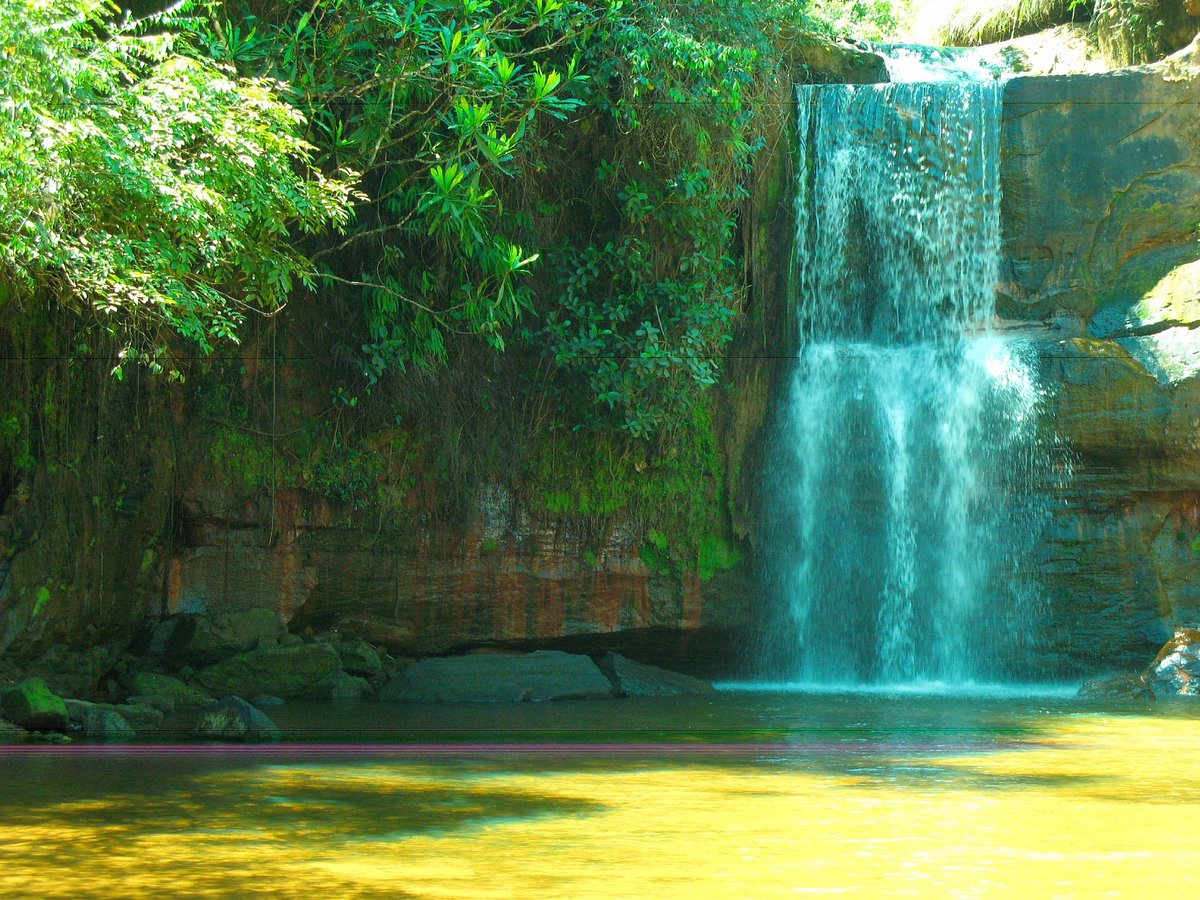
column 267, row 701
column 283, row 671
column 98, row 721
column 1125, row 686
column 634, row 679
column 32, row 705
column 166, row 693
column 140, row 716
column 233, row 719
column 359, row 658
column 12, row 734
column 1176, row 670
column 340, row 686
column 203, row 640
column 498, row 678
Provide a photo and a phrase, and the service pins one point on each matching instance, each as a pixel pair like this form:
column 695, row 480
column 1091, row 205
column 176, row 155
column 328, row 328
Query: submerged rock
column 498, row 678
column 283, row 671
column 234, row 719
column 634, row 679
column 32, row 705
column 99, row 721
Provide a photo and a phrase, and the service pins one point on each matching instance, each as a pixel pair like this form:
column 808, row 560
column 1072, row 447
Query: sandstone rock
column 1176, row 670
column 166, row 693
column 1125, row 686
column 359, row 658
column 32, row 705
column 634, row 679
column 99, row 721
column 498, row 678
column 284, row 671
column 234, row 719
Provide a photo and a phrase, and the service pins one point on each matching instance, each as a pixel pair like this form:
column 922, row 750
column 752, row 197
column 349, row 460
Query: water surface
column 740, row 795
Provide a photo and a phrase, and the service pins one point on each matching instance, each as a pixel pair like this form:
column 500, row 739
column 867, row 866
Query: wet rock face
column 1101, row 183
column 1176, row 670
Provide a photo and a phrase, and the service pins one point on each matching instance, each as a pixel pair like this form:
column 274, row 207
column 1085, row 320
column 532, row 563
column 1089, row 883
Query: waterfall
column 903, row 488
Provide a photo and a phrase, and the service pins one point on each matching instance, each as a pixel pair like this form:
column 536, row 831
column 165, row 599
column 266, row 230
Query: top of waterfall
column 917, row 62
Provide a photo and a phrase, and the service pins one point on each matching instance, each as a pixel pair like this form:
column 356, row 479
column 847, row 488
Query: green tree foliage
column 162, row 171
column 143, row 185
column 464, row 113
column 646, row 309
column 436, row 101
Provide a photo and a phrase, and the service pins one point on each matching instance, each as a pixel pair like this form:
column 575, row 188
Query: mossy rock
column 12, row 734
column 283, row 671
column 167, row 693
column 32, row 705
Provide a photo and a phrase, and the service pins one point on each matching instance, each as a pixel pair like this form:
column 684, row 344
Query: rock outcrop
column 1101, row 181
column 499, row 678
column 635, row 679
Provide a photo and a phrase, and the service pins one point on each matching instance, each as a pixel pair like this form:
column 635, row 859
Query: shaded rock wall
column 504, row 576
column 1101, row 179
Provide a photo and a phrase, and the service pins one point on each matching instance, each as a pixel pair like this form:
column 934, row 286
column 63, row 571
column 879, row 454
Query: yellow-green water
column 736, row 796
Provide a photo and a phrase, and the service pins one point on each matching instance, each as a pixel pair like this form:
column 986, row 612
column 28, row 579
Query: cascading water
column 906, row 451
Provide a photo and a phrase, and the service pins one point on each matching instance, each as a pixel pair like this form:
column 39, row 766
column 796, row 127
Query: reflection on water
column 741, row 795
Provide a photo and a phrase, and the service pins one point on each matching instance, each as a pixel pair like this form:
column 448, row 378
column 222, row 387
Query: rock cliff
column 1101, row 180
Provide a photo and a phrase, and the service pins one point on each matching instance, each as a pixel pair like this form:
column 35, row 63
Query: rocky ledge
column 196, row 670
